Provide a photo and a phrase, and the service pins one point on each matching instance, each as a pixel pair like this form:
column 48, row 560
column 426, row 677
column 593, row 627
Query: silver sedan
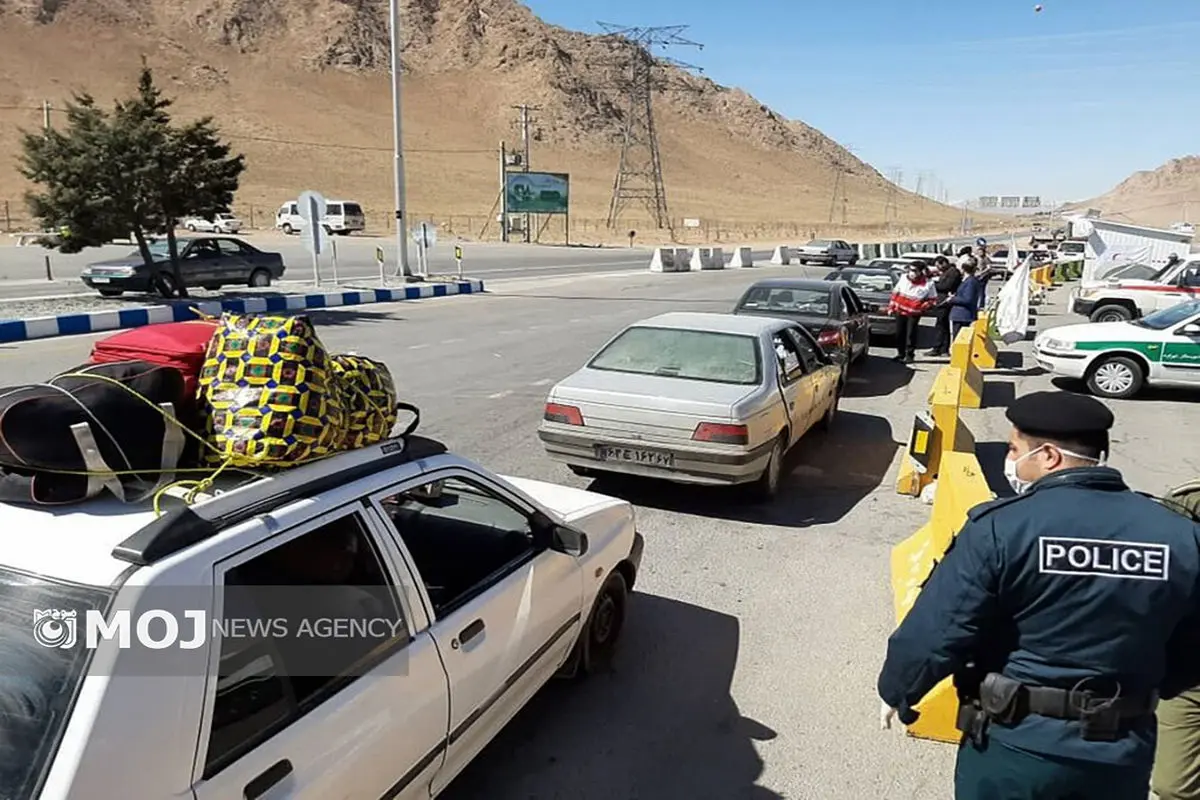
column 712, row 399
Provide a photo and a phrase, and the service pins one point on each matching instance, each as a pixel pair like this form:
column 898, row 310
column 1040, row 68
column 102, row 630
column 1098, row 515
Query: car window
column 850, row 302
column 353, row 209
column 786, row 300
column 819, row 243
column 1168, row 317
column 462, row 538
column 677, row 353
column 229, row 247
column 791, row 365
column 203, row 248
column 333, row 210
column 807, row 348
column 42, row 663
column 1190, row 277
column 882, row 282
column 280, row 665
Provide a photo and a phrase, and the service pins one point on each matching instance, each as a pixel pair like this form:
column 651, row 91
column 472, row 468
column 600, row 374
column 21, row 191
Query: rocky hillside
column 312, row 74
column 1159, row 197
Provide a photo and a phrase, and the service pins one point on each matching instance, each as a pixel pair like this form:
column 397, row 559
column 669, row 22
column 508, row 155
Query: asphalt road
column 749, row 662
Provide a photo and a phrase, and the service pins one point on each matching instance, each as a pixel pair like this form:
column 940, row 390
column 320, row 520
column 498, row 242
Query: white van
column 342, row 217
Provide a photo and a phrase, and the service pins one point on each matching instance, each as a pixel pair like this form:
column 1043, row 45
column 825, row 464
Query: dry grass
column 331, row 131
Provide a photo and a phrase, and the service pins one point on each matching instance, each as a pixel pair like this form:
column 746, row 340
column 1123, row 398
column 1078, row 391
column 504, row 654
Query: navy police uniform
column 1063, row 614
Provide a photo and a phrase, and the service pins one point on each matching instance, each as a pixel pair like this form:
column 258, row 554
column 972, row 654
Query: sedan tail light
column 567, row 415
column 830, row 337
column 721, row 433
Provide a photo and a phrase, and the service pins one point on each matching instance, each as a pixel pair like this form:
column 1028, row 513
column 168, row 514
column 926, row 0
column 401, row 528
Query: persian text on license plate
column 100, row 280
column 631, row 455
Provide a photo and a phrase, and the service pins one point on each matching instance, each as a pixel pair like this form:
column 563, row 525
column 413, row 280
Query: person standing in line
column 963, row 307
column 914, row 294
column 1063, row 613
column 948, row 280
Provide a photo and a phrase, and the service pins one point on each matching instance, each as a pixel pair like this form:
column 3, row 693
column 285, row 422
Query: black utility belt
column 1076, row 705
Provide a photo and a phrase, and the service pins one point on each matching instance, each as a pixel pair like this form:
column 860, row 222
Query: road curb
column 21, row 330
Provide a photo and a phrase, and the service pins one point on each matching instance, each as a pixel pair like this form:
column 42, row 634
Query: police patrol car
column 489, row 586
column 1117, row 359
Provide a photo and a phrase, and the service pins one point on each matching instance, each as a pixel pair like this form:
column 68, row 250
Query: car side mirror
column 568, row 541
column 1191, row 329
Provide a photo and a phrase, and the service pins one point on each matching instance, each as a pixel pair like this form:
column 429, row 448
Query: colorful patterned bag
column 370, row 396
column 270, row 393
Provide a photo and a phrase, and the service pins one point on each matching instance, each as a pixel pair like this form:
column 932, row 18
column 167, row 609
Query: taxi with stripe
column 1117, row 359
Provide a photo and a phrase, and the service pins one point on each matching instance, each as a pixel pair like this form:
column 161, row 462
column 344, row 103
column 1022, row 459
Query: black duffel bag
column 92, row 428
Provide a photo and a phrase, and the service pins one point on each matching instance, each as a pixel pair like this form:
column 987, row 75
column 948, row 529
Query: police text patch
column 1103, row 558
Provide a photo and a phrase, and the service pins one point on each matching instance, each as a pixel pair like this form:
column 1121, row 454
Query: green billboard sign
column 537, row 192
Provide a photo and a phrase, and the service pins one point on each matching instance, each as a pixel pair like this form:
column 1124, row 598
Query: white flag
column 1012, row 306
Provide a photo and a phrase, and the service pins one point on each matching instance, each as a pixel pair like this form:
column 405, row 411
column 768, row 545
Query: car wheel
column 767, row 485
column 111, row 292
column 287, row 229
column 599, row 638
column 260, row 279
column 1117, row 377
column 191, row 227
column 853, row 261
column 1111, row 313
column 582, row 472
column 831, row 413
column 167, row 287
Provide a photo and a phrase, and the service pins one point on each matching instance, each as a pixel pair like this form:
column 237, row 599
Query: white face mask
column 1019, row 485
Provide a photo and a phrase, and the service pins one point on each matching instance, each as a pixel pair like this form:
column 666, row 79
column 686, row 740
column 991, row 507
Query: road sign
column 981, row 242
column 425, row 234
column 311, row 206
column 379, row 263
column 458, row 258
column 920, row 441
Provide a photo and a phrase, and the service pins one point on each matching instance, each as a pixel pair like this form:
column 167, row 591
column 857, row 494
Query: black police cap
column 1059, row 414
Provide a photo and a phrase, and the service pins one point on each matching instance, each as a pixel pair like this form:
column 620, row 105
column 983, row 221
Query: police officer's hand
column 886, row 715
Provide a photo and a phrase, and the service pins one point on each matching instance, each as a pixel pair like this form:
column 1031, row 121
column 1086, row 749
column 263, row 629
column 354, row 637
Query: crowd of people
column 954, row 290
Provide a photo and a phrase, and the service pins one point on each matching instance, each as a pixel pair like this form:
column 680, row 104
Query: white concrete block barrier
column 663, row 260
column 743, row 257
column 716, row 258
column 782, row 255
column 702, row 258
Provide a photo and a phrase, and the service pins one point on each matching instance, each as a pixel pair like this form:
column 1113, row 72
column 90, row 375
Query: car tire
column 167, row 287
column 287, row 229
column 111, row 292
column 853, row 261
column 259, row 279
column 599, row 637
column 1111, row 313
column 191, row 227
column 1117, row 377
column 830, row 417
column 766, row 488
column 583, row 472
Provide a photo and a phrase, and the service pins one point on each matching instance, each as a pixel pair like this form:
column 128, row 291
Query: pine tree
column 130, row 171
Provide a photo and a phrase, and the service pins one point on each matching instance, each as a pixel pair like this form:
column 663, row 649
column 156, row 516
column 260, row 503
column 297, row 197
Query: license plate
column 101, row 280
column 630, row 455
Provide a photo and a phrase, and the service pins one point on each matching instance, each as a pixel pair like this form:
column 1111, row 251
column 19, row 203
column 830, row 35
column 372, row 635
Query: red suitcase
column 181, row 345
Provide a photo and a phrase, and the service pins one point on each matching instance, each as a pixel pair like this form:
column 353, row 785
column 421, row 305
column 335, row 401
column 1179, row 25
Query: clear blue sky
column 1061, row 104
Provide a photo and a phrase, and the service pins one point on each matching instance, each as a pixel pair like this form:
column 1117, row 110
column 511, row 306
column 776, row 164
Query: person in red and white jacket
column 914, row 294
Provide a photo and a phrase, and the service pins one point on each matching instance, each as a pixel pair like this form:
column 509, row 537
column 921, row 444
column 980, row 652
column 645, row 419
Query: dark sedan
column 207, row 261
column 874, row 288
column 830, row 311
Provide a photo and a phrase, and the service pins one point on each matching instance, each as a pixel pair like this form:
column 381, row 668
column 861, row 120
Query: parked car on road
column 342, row 217
column 897, row 265
column 713, row 399
column 873, row 287
column 827, row 251
column 207, row 261
column 220, row 223
column 830, row 311
column 1117, row 359
column 1125, row 298
column 368, row 624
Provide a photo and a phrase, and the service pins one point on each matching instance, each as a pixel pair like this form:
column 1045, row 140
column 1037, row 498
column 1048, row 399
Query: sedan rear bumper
column 711, row 466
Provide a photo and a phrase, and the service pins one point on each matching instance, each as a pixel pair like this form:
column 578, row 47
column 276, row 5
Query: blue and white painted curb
column 20, row 330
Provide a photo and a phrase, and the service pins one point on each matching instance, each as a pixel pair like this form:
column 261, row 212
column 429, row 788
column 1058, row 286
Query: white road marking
column 417, row 346
column 498, row 395
column 542, row 382
column 452, row 341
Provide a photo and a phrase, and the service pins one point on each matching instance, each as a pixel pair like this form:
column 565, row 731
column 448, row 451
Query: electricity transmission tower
column 524, row 122
column 891, row 210
column 839, row 189
column 639, row 175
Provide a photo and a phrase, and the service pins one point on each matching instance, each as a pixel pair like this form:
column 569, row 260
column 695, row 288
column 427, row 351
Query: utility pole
column 639, row 173
column 891, row 211
column 46, row 115
column 525, row 109
column 398, row 145
column 503, row 192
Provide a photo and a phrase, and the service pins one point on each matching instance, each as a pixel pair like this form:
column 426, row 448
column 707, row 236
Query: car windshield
column 1168, row 317
column 158, row 250
column 785, row 300
column 867, row 281
column 42, row 664
column 1134, row 272
column 225, row 216
column 819, row 243
column 678, row 353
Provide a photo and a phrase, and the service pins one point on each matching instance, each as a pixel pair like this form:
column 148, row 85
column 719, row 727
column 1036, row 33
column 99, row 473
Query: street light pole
column 398, row 146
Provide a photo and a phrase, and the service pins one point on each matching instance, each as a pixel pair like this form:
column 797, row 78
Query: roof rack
column 183, row 527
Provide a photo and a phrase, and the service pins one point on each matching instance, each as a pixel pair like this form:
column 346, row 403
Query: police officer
column 1062, row 613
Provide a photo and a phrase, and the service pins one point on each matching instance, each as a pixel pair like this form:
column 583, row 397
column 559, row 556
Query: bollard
column 742, row 257
column 49, row 273
column 949, row 433
column 663, row 260
column 782, row 255
column 983, row 349
column 334, row 258
column 971, row 392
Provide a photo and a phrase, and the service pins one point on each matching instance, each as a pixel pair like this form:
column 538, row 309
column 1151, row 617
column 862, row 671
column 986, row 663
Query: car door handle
column 468, row 633
column 263, row 783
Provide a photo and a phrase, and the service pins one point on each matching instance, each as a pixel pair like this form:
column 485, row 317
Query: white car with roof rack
column 1117, row 359
column 488, row 586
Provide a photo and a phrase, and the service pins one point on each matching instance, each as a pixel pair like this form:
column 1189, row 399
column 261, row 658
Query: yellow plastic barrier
column 961, row 486
column 983, row 349
column 971, row 393
column 947, row 432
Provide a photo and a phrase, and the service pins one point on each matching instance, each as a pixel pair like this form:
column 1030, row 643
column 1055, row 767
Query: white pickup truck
column 827, row 251
column 1131, row 298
